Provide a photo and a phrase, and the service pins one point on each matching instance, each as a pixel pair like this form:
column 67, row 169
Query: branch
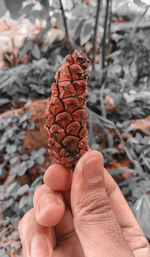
column 64, row 20
column 104, row 35
column 109, row 25
column 127, row 26
column 139, row 19
column 95, row 34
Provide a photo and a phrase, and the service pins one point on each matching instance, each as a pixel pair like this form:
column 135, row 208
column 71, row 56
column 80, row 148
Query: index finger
column 29, row 229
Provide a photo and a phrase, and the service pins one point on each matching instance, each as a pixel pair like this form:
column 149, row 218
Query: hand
column 83, row 214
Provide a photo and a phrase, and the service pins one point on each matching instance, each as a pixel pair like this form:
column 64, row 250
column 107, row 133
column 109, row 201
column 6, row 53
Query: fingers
column 127, row 221
column 58, row 178
column 92, row 212
column 36, row 240
column 36, row 234
column 48, row 201
column 49, row 206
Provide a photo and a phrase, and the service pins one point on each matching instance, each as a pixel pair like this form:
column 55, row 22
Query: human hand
column 83, row 214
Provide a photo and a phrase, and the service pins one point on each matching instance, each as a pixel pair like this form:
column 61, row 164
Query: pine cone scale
column 65, row 114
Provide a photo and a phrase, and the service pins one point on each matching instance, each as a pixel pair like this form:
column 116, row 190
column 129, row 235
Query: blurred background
column 35, row 37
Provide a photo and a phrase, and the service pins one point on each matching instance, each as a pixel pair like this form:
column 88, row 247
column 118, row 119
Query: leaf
column 119, row 171
column 36, row 51
column 127, row 130
column 140, row 3
column 24, row 202
column 146, row 152
column 110, row 150
column 119, row 5
column 27, row 10
column 81, row 10
column 23, row 189
column 4, row 122
column 91, row 137
column 19, row 169
column 3, row 8
column 11, row 149
column 40, row 159
column 14, row 7
column 139, row 138
column 56, row 4
column 2, row 146
column 36, row 153
column 136, row 192
column 75, row 28
column 59, row 21
column 145, row 185
column 45, row 3
column 11, row 178
column 9, row 132
column 30, row 163
column 20, row 149
column 13, row 160
column 138, row 168
column 67, row 5
column 37, row 182
column 2, row 192
column 141, row 211
column 42, row 150
column 24, row 117
column 24, row 157
column 2, row 170
column 129, row 181
column 111, row 142
column 27, row 47
column 24, row 124
column 95, row 146
column 32, row 19
column 6, row 157
column 86, row 31
column 132, row 140
column 7, row 204
column 4, row 101
column 12, row 187
column 92, row 98
column 42, row 14
column 21, row 135
column 125, row 191
column 31, row 125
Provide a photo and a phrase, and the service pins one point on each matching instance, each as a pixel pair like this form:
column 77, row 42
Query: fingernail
column 39, row 246
column 92, row 169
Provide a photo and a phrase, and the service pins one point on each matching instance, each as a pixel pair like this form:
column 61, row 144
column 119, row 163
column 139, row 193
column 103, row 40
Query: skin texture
column 83, row 214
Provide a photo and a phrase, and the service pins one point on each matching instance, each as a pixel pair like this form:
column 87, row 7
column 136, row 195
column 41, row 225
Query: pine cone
column 65, row 114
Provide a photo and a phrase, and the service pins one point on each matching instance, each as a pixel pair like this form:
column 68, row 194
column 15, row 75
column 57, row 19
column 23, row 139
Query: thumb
column 95, row 223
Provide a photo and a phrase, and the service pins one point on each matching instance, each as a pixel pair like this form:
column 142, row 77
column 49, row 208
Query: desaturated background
column 35, row 37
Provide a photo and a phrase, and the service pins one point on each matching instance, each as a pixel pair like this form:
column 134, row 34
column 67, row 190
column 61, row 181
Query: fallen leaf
column 141, row 211
column 142, row 125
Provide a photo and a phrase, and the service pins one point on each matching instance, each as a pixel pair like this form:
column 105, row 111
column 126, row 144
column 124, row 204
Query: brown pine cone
column 65, row 114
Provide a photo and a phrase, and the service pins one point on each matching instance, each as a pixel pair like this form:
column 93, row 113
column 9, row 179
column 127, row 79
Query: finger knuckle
column 39, row 191
column 98, row 208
